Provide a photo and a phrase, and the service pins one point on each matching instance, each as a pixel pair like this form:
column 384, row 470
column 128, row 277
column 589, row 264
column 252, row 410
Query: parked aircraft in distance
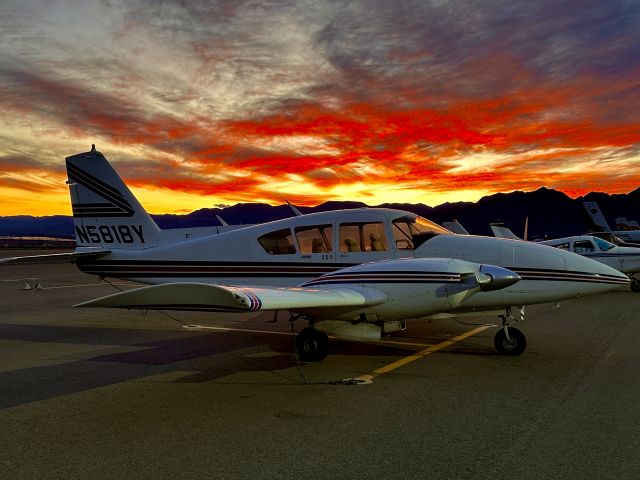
column 623, row 259
column 456, row 227
column 627, row 231
column 354, row 274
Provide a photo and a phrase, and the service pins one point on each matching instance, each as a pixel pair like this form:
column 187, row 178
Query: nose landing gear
column 510, row 340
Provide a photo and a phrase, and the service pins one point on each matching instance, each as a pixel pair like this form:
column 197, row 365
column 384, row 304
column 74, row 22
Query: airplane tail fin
column 456, row 227
column 597, row 220
column 105, row 212
column 500, row 231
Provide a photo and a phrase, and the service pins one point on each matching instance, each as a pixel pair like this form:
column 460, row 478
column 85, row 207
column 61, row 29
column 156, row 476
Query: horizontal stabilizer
column 220, row 298
column 70, row 257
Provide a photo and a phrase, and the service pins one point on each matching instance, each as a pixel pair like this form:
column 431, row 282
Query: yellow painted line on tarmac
column 417, row 356
column 403, row 344
column 227, row 329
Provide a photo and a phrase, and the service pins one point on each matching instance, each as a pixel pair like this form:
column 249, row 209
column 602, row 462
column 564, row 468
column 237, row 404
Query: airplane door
column 360, row 241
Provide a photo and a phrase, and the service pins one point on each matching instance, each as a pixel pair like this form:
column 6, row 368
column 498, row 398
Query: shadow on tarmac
column 209, row 355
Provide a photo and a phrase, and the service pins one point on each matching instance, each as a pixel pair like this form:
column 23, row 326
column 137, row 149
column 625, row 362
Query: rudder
column 105, row 212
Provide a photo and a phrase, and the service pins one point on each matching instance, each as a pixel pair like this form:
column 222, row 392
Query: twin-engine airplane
column 354, row 274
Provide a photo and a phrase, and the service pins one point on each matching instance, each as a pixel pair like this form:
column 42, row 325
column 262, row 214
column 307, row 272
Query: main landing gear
column 635, row 284
column 510, row 340
column 312, row 345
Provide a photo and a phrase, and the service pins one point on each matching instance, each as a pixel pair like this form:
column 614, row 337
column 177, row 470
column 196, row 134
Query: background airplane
column 117, row 238
column 456, row 227
column 627, row 232
column 623, row 258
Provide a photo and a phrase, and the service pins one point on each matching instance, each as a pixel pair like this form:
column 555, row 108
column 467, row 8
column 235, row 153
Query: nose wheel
column 635, row 284
column 513, row 344
column 510, row 340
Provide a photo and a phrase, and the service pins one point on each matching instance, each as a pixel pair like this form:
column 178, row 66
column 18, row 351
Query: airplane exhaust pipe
column 395, row 326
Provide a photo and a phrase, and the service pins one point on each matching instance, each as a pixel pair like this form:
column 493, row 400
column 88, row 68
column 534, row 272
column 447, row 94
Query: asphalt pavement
column 91, row 393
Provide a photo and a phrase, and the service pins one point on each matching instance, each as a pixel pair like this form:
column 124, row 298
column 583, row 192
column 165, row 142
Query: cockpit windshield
column 410, row 232
column 603, row 244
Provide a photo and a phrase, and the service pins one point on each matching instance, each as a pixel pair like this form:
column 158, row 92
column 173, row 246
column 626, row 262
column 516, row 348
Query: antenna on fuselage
column 295, row 210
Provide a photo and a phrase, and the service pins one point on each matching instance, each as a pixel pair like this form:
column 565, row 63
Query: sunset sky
column 199, row 104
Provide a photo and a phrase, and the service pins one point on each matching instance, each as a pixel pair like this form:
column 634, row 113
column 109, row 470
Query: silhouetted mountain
column 244, row 214
column 23, row 225
column 551, row 213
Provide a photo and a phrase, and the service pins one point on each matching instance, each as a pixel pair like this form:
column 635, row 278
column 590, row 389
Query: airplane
column 625, row 230
column 625, row 259
column 354, row 274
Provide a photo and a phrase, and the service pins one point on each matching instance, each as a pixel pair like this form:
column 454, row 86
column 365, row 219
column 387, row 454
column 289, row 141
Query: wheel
column 514, row 346
column 312, row 345
column 635, row 285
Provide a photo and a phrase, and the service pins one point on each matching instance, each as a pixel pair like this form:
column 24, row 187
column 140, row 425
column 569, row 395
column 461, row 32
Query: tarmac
column 93, row 393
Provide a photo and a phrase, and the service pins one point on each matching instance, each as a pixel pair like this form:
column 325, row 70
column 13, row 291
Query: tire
column 635, row 285
column 514, row 347
column 312, row 345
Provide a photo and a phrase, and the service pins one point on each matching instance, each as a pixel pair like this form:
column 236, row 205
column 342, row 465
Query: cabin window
column 583, row 246
column 363, row 237
column 562, row 246
column 278, row 242
column 603, row 244
column 315, row 239
column 402, row 235
column 410, row 232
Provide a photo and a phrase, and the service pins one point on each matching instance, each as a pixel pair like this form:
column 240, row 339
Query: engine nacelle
column 348, row 331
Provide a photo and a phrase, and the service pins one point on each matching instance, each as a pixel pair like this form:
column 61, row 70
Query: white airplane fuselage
column 296, row 250
column 624, row 259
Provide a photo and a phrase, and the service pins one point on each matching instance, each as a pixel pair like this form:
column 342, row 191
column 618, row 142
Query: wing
column 221, row 298
column 69, row 257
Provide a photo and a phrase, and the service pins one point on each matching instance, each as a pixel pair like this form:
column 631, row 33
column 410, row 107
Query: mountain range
column 551, row 214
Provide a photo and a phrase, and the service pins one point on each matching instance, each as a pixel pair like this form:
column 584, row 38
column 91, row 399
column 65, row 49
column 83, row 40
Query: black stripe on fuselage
column 176, row 268
column 567, row 276
column 157, row 269
column 386, row 277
